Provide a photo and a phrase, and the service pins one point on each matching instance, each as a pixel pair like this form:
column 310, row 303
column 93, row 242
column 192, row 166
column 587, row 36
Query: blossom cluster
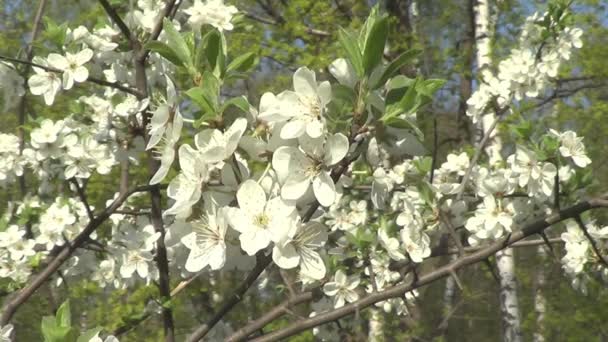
column 528, row 71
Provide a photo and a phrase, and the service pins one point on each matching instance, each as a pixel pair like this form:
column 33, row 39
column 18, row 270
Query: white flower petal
column 324, row 189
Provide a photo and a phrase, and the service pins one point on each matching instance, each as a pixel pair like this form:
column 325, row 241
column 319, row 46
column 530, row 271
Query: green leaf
column 523, row 130
column 238, row 102
column 368, row 25
column 405, row 124
column 409, row 103
column 342, row 92
column 54, row 333
column 63, row 315
column 88, row 335
column 353, row 52
column 426, row 192
column 243, row 63
column 374, row 45
column 215, row 50
column 429, row 87
column 178, row 44
column 206, row 95
column 393, row 67
column 165, row 51
column 55, row 33
column 400, row 81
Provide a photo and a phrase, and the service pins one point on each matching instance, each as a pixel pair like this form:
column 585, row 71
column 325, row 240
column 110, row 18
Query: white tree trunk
column 506, row 268
column 375, row 326
column 508, row 296
column 539, row 298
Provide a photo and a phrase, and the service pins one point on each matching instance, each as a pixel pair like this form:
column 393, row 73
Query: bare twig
column 262, row 261
column 274, row 313
column 116, row 19
column 596, row 250
column 89, row 79
column 83, row 198
column 270, row 21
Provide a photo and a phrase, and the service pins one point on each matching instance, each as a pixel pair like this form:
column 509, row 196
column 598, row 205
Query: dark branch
column 447, row 270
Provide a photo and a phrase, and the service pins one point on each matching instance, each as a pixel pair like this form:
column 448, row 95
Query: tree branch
column 63, row 255
column 274, row 313
column 89, row 79
column 116, row 19
column 158, row 28
column 262, row 261
column 269, row 21
column 596, row 250
column 398, row 290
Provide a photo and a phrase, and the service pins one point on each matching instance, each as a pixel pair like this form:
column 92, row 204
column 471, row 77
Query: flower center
column 313, row 169
column 313, row 105
column 261, row 220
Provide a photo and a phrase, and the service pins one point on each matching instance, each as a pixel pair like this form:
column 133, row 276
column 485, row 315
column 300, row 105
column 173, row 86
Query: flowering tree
column 328, row 182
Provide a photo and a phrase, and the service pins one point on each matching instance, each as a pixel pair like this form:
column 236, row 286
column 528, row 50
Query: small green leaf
column 353, row 52
column 63, row 315
column 215, row 50
column 393, row 67
column 238, row 102
column 243, row 63
column 206, row 95
column 426, row 192
column 165, row 51
column 198, row 95
column 177, row 43
column 88, row 335
column 429, row 87
column 374, row 45
column 400, row 81
column 405, row 124
column 409, row 103
column 371, row 20
column 54, row 333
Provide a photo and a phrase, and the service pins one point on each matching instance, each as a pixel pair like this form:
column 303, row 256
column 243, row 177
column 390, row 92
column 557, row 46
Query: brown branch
column 596, row 250
column 262, row 261
column 162, row 262
column 89, row 79
column 398, row 290
column 83, row 198
column 274, row 313
column 116, row 19
column 121, row 330
column 269, row 21
column 64, row 253
column 158, row 28
column 478, row 152
column 21, row 109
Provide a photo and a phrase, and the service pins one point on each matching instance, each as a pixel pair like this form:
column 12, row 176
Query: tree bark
column 539, row 297
column 505, row 262
column 508, row 296
column 375, row 326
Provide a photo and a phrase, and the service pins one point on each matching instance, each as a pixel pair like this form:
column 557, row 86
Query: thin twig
column 89, row 79
column 596, row 250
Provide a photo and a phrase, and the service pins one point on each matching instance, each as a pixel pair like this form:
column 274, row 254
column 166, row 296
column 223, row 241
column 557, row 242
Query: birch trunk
column 539, row 298
column 375, row 326
column 505, row 262
column 508, row 297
